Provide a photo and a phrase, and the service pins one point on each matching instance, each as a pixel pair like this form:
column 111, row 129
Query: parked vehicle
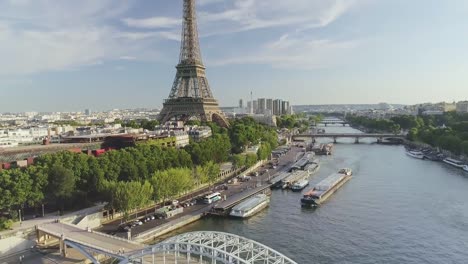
column 211, row 198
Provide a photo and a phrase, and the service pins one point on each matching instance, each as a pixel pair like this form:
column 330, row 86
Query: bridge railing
column 116, row 237
column 225, row 247
column 93, row 247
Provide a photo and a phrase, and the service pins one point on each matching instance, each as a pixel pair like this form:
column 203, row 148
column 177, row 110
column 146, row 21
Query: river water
column 395, row 209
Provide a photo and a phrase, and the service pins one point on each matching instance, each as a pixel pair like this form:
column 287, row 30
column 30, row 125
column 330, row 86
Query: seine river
column 396, row 209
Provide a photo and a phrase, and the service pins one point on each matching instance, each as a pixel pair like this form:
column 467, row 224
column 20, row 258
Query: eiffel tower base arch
column 182, row 109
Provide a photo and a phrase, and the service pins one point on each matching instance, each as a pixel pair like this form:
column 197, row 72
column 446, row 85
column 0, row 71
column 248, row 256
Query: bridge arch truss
column 217, row 247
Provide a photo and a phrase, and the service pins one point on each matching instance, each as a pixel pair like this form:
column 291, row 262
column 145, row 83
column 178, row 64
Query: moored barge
column 324, row 189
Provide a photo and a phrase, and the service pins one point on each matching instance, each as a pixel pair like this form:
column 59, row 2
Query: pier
column 222, row 208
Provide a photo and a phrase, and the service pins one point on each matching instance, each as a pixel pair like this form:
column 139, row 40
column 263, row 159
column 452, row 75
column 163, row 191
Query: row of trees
column 448, row 131
column 300, row 121
column 246, row 132
column 133, row 177
column 374, row 125
column 140, row 123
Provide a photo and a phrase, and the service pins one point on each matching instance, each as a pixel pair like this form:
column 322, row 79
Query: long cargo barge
column 294, row 177
column 324, row 189
column 250, row 206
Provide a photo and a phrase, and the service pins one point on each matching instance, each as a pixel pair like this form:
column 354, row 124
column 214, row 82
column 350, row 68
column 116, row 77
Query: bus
column 211, row 198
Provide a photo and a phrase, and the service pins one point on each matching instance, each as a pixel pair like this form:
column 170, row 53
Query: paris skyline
column 121, row 54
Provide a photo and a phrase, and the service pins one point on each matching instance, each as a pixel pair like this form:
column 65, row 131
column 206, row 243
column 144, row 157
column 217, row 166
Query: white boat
column 465, row 168
column 415, row 154
column 454, row 162
column 299, row 185
column 250, row 206
column 346, row 171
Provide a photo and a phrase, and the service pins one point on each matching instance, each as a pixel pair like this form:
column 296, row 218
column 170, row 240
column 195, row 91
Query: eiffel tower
column 190, row 95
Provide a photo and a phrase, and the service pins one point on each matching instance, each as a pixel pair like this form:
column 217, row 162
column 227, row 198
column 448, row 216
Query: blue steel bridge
column 193, row 247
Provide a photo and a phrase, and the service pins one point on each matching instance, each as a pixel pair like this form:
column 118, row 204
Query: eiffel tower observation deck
column 191, row 96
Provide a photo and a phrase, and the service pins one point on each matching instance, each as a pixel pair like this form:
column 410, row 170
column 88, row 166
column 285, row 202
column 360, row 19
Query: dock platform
column 222, row 208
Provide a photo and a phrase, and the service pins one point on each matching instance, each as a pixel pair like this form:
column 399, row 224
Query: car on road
column 244, row 178
column 253, row 173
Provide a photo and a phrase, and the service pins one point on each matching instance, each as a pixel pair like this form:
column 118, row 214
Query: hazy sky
column 104, row 54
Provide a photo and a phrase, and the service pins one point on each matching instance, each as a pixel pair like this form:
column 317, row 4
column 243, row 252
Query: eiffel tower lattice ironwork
column 191, row 95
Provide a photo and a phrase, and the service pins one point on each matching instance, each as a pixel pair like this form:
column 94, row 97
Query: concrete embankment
column 151, row 234
column 169, row 227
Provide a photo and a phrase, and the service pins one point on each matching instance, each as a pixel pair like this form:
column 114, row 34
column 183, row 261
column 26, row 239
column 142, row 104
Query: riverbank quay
column 423, row 146
column 151, row 230
column 158, row 227
column 111, row 224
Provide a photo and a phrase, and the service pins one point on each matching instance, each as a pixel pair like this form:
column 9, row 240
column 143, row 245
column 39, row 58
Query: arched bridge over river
column 193, row 247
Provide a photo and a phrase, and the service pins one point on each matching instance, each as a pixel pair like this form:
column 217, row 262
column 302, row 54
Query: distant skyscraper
column 87, row 112
column 261, row 106
column 285, row 108
column 255, row 106
column 269, row 105
column 241, row 103
column 277, row 107
column 250, row 107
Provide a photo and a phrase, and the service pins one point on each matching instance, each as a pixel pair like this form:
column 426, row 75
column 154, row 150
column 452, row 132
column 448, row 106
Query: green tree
column 39, row 184
column 162, row 185
column 211, row 170
column 238, row 160
column 61, row 184
column 250, row 160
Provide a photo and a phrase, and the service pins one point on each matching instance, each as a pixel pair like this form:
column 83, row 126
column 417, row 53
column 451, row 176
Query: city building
column 384, row 106
column 241, row 103
column 269, row 120
column 182, row 138
column 255, row 106
column 277, row 107
column 249, row 107
column 269, row 105
column 462, row 107
column 261, row 106
column 199, row 133
column 285, row 109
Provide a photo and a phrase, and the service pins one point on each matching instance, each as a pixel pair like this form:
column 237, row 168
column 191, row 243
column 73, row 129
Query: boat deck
column 222, row 208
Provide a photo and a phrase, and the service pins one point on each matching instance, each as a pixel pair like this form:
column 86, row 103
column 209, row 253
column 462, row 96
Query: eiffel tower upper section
column 190, row 79
column 191, row 96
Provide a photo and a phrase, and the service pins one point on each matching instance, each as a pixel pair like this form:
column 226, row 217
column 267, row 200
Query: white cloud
column 44, row 35
column 296, row 48
column 207, row 2
column 41, row 35
column 296, row 53
column 154, row 22
column 247, row 15
column 127, row 58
